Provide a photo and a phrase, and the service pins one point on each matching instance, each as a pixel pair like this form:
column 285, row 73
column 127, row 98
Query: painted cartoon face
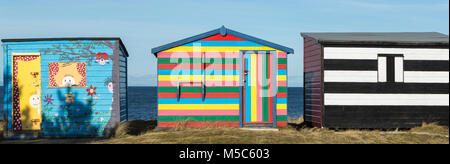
column 35, row 101
column 110, row 87
column 102, row 61
column 68, row 81
column 102, row 58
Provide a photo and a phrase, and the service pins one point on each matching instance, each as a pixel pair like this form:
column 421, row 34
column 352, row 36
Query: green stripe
column 199, row 89
column 265, row 81
column 282, row 60
column 198, row 118
column 282, row 89
column 281, row 118
column 198, row 60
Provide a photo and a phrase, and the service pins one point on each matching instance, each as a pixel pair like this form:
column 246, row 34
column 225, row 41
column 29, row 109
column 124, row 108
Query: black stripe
column 419, row 88
column 384, row 116
column 341, row 64
column 390, row 68
column 425, row 65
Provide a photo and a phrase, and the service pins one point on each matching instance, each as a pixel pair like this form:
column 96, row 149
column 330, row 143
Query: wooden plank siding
column 219, row 57
column 313, row 82
column 123, row 86
column 61, row 119
column 354, row 97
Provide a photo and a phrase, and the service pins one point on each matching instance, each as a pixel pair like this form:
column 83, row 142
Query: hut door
column 258, row 83
column 26, row 90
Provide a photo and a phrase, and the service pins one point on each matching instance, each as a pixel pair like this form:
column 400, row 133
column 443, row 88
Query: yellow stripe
column 198, row 106
column 254, row 86
column 215, row 49
column 281, row 77
column 198, row 78
column 281, row 106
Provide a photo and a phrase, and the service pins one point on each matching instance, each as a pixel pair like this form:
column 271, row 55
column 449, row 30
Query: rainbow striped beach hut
column 222, row 78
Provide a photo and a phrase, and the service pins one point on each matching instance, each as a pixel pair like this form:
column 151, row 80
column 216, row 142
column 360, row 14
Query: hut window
column 390, row 68
column 63, row 75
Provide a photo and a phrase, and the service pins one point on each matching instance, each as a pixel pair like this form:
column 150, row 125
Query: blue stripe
column 197, row 72
column 282, row 72
column 248, row 105
column 224, row 44
column 282, row 100
column 198, row 101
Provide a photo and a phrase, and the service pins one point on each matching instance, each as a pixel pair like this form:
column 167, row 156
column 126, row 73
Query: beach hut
column 222, row 78
column 376, row 80
column 64, row 87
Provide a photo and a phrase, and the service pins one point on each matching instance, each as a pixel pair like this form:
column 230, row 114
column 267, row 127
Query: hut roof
column 68, row 39
column 223, row 31
column 432, row 39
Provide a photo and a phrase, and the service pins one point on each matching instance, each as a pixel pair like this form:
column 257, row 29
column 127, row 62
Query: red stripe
column 281, row 95
column 162, row 124
column 198, row 54
column 281, row 123
column 219, row 37
column 199, row 95
column 199, row 66
column 282, row 66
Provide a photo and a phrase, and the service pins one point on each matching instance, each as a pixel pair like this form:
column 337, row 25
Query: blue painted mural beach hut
column 64, row 87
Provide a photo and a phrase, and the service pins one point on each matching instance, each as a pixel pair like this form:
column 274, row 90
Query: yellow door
column 26, row 92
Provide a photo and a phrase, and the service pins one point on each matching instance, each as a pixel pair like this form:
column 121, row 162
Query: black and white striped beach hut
column 376, row 80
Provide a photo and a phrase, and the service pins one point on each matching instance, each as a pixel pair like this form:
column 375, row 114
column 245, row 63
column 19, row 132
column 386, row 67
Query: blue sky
column 146, row 24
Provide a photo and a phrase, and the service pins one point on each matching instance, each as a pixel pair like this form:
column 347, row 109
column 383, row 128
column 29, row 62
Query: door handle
column 245, row 74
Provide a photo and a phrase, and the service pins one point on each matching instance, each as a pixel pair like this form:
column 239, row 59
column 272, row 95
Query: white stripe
column 350, row 76
column 398, row 69
column 426, row 77
column 372, row 53
column 386, row 99
column 382, row 69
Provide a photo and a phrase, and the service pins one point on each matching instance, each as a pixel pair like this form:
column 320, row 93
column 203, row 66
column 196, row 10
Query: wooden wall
column 221, row 104
column 123, row 85
column 358, row 96
column 313, row 82
column 86, row 115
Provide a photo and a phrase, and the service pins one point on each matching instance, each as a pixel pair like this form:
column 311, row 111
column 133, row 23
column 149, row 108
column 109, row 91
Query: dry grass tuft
column 431, row 128
column 144, row 132
column 288, row 135
column 135, row 127
column 2, row 128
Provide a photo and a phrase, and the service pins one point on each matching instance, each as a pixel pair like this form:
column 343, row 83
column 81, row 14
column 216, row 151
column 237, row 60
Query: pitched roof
column 381, row 39
column 69, row 39
column 223, row 31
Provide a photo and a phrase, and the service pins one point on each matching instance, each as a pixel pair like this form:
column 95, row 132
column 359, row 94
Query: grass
column 294, row 134
column 144, row 132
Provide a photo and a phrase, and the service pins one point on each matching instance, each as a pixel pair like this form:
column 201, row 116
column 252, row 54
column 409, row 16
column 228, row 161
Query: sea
column 142, row 102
